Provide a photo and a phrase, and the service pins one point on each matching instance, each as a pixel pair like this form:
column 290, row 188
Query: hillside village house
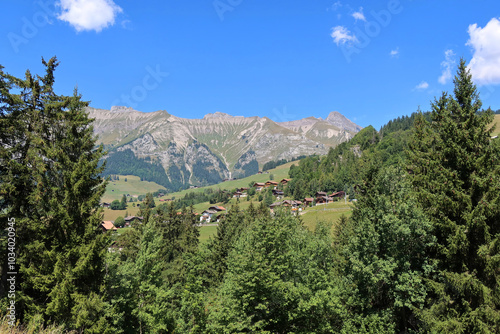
column 338, row 194
column 258, row 186
column 271, row 184
column 278, row 193
column 308, row 201
column 294, row 205
column 208, row 215
column 108, row 225
column 132, row 219
column 285, row 181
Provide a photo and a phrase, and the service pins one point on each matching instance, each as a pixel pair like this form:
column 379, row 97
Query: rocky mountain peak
column 122, row 109
column 337, row 119
column 217, row 114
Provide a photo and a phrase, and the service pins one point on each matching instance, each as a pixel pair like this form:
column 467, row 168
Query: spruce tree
column 50, row 182
column 454, row 166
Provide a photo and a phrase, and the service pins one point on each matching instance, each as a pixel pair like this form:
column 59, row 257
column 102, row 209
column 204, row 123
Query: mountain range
column 182, row 152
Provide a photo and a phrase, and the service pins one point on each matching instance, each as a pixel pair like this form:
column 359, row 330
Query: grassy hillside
column 133, row 186
column 496, row 122
column 329, row 213
column 279, row 173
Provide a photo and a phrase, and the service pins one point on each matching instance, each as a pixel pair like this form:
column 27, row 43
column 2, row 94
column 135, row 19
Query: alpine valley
column 177, row 152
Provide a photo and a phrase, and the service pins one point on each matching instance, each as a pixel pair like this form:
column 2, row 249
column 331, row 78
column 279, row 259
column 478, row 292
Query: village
column 214, row 213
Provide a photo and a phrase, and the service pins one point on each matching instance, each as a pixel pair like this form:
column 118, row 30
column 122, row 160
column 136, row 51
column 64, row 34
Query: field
column 206, row 232
column 133, row 186
column 496, row 122
column 113, row 214
column 329, row 213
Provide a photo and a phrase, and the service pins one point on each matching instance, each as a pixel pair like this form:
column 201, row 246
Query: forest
column 420, row 253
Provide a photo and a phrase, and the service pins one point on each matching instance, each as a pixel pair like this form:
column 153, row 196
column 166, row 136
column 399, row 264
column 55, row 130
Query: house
column 338, row 194
column 206, row 216
column 217, row 208
column 321, row 194
column 275, row 204
column 242, row 190
column 258, row 186
column 324, row 200
column 108, row 225
column 105, row 204
column 130, row 219
column 308, row 201
column 294, row 205
column 271, row 184
column 285, row 181
column 277, row 192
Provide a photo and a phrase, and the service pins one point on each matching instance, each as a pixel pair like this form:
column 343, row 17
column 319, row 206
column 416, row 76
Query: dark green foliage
column 147, row 276
column 273, row 164
column 386, row 245
column 455, row 172
column 116, row 205
column 51, row 184
column 123, row 202
column 278, row 281
column 126, row 163
column 119, row 222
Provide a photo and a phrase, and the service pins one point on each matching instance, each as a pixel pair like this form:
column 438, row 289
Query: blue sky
column 370, row 60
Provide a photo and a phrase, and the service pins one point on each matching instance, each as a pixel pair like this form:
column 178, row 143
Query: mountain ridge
column 216, row 147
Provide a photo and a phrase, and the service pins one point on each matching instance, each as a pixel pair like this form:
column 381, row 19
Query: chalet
column 338, row 194
column 258, row 186
column 206, row 216
column 308, row 201
column 285, row 181
column 294, row 205
column 242, row 190
column 217, row 208
column 131, row 219
column 324, row 200
column 277, row 192
column 275, row 204
column 271, row 184
column 105, row 204
column 108, row 225
column 321, row 194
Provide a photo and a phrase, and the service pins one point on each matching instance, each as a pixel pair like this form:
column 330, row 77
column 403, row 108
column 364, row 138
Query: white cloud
column 342, row 35
column 485, row 62
column 336, row 5
column 395, row 52
column 89, row 14
column 359, row 15
column 422, row 86
column 447, row 65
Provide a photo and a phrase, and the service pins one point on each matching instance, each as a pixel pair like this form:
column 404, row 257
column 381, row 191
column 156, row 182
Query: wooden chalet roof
column 217, row 208
column 108, row 225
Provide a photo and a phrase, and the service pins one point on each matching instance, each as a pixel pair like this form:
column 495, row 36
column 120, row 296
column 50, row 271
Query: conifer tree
column 50, row 182
column 454, row 167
